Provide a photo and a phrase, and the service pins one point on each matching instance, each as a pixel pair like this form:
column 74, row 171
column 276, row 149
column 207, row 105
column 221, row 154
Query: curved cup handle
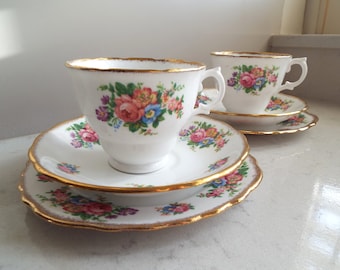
column 302, row 62
column 217, row 75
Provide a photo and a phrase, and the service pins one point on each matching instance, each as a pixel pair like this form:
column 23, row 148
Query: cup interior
column 251, row 54
column 134, row 64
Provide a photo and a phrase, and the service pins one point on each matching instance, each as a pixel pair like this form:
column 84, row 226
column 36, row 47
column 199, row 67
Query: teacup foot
column 138, row 168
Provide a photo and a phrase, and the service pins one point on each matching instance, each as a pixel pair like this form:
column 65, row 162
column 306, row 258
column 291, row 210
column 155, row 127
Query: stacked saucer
column 283, row 114
column 68, row 180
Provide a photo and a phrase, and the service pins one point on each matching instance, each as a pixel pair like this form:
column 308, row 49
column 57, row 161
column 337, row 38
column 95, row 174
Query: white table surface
column 291, row 221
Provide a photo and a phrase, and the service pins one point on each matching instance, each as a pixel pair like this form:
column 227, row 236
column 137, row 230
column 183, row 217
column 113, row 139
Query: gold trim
column 196, row 182
column 195, row 65
column 140, row 227
column 305, row 108
column 251, row 54
column 283, row 131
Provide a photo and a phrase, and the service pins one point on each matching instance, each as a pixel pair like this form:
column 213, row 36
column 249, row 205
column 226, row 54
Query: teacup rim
column 194, row 65
column 251, row 54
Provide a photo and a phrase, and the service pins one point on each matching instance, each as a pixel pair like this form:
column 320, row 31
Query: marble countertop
column 291, row 221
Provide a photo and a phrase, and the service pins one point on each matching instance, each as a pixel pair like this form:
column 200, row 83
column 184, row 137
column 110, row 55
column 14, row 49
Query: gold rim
column 305, row 108
column 72, row 64
column 251, row 54
column 283, row 131
column 196, row 182
column 38, row 210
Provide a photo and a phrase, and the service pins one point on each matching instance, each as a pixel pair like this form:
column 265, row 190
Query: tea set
column 153, row 149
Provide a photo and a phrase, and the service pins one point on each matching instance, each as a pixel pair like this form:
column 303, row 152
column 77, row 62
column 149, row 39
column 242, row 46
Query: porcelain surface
column 280, row 108
column 137, row 106
column 295, row 123
column 58, row 204
column 206, row 149
column 252, row 78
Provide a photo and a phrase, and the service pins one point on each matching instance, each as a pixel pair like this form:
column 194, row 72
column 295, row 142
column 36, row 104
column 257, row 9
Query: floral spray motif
column 85, row 208
column 252, row 79
column 137, row 107
column 83, row 135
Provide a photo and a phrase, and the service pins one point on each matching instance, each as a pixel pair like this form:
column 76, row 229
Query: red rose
column 247, row 80
column 88, row 135
column 96, row 208
column 128, row 110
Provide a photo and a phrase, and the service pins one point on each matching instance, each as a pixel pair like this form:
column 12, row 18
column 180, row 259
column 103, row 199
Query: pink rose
column 88, row 135
column 181, row 208
column 247, row 79
column 198, row 135
column 128, row 110
column 175, row 105
column 96, row 208
column 272, row 78
column 233, row 178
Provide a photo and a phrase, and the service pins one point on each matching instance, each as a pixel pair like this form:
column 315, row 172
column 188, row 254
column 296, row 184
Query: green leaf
column 130, row 88
column 103, row 87
column 121, row 89
column 111, row 88
column 155, row 124
column 133, row 127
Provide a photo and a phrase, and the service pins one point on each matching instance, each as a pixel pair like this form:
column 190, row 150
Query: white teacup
column 137, row 106
column 252, row 78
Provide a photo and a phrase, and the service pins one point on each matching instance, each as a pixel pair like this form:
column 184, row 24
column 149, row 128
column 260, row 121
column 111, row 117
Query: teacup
column 137, row 106
column 252, row 78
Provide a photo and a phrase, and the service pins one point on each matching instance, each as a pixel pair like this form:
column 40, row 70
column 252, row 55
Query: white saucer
column 299, row 122
column 279, row 109
column 58, row 204
column 191, row 164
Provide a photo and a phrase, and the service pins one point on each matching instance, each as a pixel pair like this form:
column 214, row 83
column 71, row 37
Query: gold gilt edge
column 43, row 213
column 193, row 183
column 283, row 131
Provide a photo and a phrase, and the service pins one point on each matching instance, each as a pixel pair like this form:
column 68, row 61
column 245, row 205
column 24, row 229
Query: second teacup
column 252, row 78
column 137, row 106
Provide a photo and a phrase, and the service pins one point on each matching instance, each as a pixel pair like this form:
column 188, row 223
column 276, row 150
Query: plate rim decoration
column 219, row 172
column 300, row 128
column 218, row 205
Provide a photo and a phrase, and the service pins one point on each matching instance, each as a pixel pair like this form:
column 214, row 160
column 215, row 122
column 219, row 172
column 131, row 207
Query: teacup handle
column 220, row 87
column 302, row 62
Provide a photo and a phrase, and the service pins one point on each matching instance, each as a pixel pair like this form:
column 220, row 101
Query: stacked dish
column 283, row 114
column 68, row 180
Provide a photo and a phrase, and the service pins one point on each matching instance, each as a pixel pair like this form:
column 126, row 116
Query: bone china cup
column 252, row 78
column 137, row 106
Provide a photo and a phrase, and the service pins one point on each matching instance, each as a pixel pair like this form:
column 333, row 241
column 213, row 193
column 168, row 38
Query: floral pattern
column 277, row 103
column 202, row 99
column 86, row 209
column 203, row 135
column 218, row 164
column 228, row 183
column 175, row 208
column 68, row 168
column 83, row 135
column 252, row 79
column 294, row 120
column 44, row 178
column 137, row 107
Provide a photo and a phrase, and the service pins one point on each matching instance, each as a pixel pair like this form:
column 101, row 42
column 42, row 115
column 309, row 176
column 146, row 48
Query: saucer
column 206, row 150
column 299, row 122
column 58, row 204
column 280, row 108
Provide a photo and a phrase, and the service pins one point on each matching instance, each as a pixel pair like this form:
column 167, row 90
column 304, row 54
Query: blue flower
column 219, row 182
column 152, row 111
column 259, row 83
column 206, row 142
